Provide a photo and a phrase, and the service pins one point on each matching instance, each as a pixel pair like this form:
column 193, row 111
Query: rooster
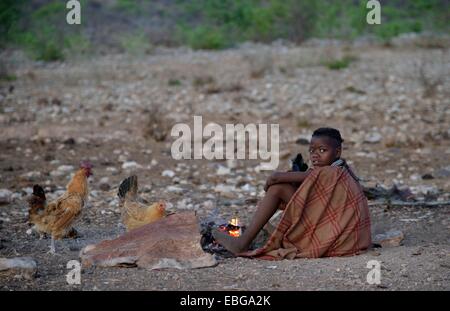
column 56, row 218
column 134, row 213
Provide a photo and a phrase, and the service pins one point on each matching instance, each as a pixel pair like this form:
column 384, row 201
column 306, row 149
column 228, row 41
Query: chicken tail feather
column 39, row 192
column 128, row 188
column 36, row 202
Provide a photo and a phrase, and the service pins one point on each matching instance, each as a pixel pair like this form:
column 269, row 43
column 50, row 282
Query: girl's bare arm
column 286, row 177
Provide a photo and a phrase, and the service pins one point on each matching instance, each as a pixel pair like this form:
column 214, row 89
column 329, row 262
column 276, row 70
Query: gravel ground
column 114, row 110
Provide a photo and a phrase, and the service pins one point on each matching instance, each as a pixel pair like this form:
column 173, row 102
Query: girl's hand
column 273, row 179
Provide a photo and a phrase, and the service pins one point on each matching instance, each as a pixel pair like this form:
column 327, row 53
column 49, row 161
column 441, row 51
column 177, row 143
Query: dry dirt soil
column 391, row 105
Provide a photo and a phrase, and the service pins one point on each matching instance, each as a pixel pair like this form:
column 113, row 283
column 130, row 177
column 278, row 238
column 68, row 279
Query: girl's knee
column 276, row 189
column 282, row 191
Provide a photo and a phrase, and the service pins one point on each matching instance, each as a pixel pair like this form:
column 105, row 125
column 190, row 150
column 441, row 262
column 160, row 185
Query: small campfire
column 233, row 228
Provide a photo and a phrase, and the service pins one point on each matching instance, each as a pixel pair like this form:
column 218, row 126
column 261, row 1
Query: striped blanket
column 327, row 216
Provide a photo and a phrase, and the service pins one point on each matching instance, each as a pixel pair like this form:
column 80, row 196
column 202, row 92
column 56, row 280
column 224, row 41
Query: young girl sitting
column 327, row 215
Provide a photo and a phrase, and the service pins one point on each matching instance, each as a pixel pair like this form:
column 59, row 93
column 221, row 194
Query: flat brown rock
column 390, row 238
column 172, row 242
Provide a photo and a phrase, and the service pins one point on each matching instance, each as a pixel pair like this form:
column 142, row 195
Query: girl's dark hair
column 331, row 133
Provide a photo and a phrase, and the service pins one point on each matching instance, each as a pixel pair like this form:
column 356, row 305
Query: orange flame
column 236, row 232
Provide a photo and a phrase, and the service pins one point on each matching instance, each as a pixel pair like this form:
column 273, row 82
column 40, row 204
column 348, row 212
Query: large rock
column 172, row 242
column 23, row 266
column 5, row 196
column 389, row 239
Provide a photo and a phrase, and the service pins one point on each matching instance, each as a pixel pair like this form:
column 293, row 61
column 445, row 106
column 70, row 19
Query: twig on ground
column 402, row 203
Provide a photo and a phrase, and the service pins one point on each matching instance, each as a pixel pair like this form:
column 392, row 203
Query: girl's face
column 323, row 151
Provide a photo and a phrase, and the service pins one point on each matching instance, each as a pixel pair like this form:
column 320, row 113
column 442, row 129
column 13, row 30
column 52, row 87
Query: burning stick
column 232, row 228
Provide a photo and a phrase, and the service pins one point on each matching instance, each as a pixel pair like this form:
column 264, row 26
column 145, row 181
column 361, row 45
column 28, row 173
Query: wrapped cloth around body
column 327, row 216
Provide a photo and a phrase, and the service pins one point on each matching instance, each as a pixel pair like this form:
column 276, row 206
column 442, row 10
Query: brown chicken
column 134, row 213
column 56, row 218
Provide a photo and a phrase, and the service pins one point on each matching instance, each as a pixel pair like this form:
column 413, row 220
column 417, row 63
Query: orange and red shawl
column 327, row 216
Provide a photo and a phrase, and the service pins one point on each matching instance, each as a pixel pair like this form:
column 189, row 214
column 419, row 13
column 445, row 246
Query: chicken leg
column 52, row 247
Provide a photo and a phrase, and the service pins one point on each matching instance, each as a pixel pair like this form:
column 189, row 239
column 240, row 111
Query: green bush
column 234, row 21
column 43, row 39
column 43, row 44
column 5, row 75
column 77, row 44
column 209, row 24
column 10, row 11
column 137, row 43
column 174, row 82
column 130, row 6
column 339, row 64
column 204, row 38
column 47, row 37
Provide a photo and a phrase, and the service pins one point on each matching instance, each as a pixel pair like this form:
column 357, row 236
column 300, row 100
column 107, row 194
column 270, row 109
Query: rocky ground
column 391, row 105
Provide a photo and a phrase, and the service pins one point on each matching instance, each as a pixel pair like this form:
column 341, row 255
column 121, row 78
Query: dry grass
column 431, row 73
column 157, row 126
column 260, row 63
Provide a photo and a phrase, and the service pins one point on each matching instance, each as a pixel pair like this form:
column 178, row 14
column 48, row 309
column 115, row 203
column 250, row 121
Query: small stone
column 427, row 176
column 113, row 203
column 425, row 189
column 168, row 173
column 414, row 177
column 373, row 138
column 208, row 204
column 417, row 252
column 31, row 176
column 302, row 141
column 56, row 173
column 226, row 191
column 389, row 239
column 23, row 266
column 65, row 168
column 222, row 170
column 5, row 196
column 16, row 196
column 104, row 184
column 146, row 188
column 183, row 204
column 443, row 173
column 374, row 253
column 130, row 165
column 175, row 189
column 112, row 170
column 69, row 141
column 62, row 171
column 122, row 158
column 231, row 163
column 248, row 188
column 74, row 248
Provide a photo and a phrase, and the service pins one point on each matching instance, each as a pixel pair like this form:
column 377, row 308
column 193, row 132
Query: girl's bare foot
column 232, row 244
